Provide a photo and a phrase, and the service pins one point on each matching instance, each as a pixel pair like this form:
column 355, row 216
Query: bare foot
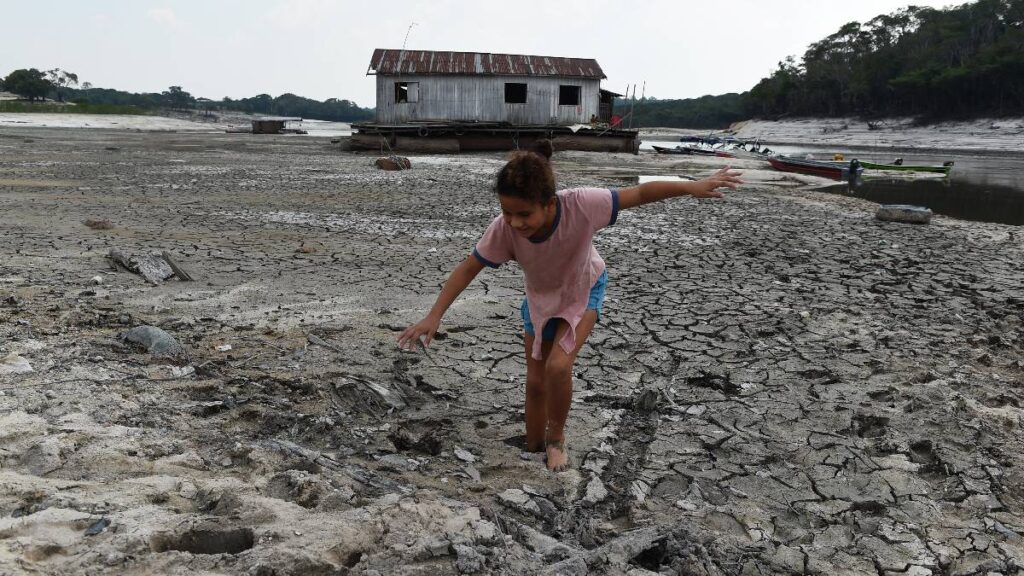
column 535, row 446
column 558, row 456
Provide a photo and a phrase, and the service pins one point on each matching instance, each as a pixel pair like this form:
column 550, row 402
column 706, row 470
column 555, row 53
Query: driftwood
column 155, row 268
column 152, row 267
column 181, row 274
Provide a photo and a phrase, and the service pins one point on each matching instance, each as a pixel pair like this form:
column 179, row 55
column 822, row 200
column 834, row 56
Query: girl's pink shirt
column 561, row 268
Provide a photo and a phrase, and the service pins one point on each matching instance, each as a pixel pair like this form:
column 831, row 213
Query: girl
column 550, row 234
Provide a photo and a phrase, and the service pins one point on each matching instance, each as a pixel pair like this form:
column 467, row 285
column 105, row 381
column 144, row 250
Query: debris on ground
column 99, row 224
column 155, row 341
column 791, row 386
column 904, row 213
column 14, row 364
column 393, row 163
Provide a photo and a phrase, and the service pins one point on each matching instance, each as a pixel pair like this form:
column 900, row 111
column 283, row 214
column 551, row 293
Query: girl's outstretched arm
column 656, row 191
column 463, row 274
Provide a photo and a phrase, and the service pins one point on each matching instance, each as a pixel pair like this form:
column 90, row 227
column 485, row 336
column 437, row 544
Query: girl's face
column 528, row 218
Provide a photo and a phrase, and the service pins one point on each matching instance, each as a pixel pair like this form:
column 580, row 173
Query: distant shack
column 453, row 101
column 275, row 125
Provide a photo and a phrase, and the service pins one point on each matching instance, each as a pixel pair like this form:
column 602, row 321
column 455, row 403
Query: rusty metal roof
column 426, row 62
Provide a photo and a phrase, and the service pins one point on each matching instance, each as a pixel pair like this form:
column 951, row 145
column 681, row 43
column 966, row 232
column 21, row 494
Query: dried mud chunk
column 303, row 488
column 98, row 224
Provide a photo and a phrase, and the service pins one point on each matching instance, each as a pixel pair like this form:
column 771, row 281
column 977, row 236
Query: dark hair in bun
column 528, row 174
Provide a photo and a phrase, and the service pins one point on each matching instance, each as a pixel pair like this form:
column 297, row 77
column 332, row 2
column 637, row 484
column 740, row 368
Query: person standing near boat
column 550, row 234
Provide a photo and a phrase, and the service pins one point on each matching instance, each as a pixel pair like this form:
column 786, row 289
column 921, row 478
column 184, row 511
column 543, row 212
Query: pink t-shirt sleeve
column 495, row 247
column 600, row 206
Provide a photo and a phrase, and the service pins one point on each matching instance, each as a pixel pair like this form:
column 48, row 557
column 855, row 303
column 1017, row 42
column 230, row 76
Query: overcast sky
column 321, row 48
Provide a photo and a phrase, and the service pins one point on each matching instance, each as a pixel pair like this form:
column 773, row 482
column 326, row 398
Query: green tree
column 175, row 97
column 30, row 83
column 61, row 79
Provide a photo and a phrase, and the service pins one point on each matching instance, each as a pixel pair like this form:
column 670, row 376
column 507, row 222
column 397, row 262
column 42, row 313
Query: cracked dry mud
column 780, row 383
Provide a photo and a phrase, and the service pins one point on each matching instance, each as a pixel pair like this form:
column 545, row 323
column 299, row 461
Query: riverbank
column 996, row 135
column 780, row 383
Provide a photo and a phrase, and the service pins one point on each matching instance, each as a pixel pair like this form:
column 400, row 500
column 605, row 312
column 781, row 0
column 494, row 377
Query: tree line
column 63, row 86
column 964, row 61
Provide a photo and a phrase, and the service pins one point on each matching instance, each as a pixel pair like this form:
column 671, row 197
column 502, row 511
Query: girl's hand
column 422, row 331
column 724, row 178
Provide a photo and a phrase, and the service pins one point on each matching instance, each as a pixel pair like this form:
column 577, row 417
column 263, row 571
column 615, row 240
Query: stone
column 515, row 498
column 464, row 455
column 14, row 364
column 485, row 532
column 789, row 559
column 393, row 163
column 903, row 213
column 596, row 491
column 155, row 341
column 468, row 561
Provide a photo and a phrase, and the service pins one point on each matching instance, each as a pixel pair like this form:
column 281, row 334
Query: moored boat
column 833, row 170
column 693, row 150
column 944, row 169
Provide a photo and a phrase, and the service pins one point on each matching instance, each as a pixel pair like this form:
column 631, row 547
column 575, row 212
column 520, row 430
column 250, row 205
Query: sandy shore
column 992, row 135
column 781, row 384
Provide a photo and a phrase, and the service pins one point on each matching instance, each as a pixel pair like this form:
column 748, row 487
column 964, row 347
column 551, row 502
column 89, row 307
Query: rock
column 98, row 224
column 393, row 163
column 515, row 498
column 397, row 463
column 596, row 491
column 182, row 371
column 686, row 505
column 469, row 561
column 43, row 457
column 439, row 547
column 903, row 213
column 464, row 455
column 14, row 364
column 97, row 527
column 155, row 341
column 485, row 532
column 153, row 267
column 788, row 559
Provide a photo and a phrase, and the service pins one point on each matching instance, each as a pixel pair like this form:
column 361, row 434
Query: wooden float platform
column 456, row 137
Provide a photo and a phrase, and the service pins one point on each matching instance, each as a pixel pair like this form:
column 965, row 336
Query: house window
column 515, row 93
column 407, row 92
column 568, row 95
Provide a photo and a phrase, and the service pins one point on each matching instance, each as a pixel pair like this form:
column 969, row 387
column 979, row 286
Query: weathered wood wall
column 482, row 99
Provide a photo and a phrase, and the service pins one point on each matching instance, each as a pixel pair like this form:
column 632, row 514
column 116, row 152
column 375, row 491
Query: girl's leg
column 536, row 397
column 558, row 383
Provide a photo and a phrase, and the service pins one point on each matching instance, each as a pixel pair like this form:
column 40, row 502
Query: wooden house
column 474, row 100
column 421, row 85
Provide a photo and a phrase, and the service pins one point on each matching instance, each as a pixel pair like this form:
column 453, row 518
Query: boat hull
column 810, row 167
column 690, row 150
column 907, row 168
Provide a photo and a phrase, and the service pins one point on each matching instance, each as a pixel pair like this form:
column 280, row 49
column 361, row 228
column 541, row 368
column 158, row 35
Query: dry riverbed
column 780, row 382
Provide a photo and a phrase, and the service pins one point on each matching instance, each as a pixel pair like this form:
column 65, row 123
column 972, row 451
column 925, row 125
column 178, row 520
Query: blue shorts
column 595, row 302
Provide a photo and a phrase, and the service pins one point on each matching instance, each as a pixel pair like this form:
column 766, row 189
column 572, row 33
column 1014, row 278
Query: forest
column 960, row 62
column 62, row 86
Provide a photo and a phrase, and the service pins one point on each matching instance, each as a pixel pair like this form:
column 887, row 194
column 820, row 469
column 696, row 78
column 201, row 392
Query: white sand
column 1005, row 134
column 116, row 121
